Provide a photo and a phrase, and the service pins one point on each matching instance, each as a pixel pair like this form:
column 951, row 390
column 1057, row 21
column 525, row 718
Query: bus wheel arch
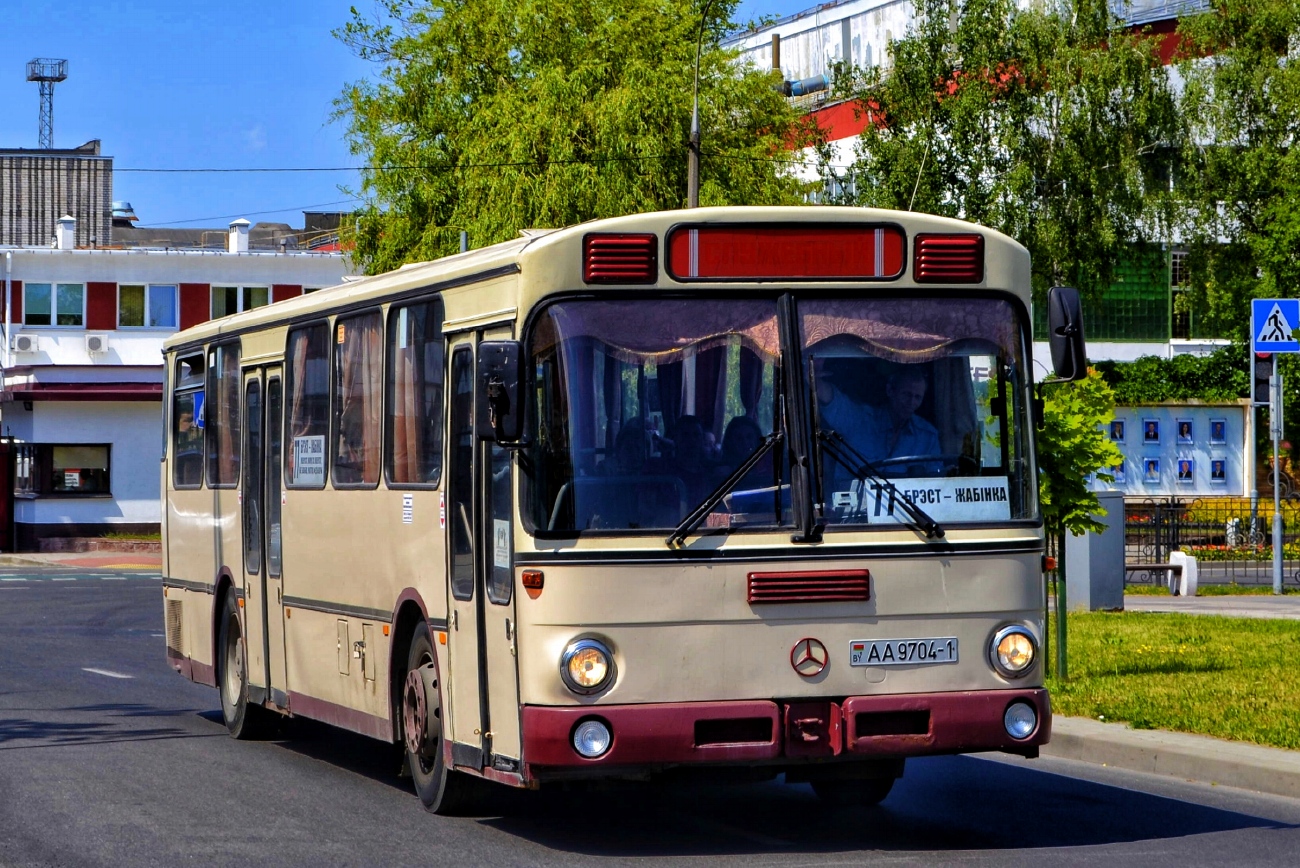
column 408, row 615
column 243, row 719
column 441, row 790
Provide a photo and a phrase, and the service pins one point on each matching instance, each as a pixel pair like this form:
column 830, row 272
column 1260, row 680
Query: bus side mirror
column 499, row 416
column 1065, row 332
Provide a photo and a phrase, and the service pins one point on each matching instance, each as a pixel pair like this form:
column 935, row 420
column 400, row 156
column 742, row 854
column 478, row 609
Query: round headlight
column 591, row 738
column 1013, row 651
column 1020, row 720
column 586, row 666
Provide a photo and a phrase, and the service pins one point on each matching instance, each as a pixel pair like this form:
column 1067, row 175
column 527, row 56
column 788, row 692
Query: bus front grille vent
column 814, row 586
column 948, row 259
column 174, row 627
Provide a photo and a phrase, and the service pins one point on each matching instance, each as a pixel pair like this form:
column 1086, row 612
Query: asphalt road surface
column 109, row 758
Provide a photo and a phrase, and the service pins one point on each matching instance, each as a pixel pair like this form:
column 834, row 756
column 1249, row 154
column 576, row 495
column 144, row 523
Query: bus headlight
column 1013, row 651
column 586, row 666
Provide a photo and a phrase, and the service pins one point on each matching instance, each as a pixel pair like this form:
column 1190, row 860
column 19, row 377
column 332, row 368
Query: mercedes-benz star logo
column 808, row 657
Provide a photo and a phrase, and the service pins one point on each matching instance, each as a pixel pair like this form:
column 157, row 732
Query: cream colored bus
column 730, row 487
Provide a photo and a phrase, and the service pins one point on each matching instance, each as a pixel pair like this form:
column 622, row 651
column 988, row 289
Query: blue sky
column 184, row 85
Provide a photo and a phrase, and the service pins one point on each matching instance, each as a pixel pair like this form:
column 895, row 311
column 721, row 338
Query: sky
column 215, row 85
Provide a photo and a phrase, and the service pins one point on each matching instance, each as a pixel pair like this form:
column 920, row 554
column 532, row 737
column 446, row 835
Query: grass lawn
column 1231, row 678
column 1207, row 590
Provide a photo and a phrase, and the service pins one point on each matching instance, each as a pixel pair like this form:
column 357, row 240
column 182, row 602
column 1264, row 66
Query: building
column 82, row 376
column 1137, row 315
column 38, row 186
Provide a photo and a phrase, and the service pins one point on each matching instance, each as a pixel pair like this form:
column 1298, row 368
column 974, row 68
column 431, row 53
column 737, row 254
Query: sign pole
column 1275, row 428
column 1274, row 323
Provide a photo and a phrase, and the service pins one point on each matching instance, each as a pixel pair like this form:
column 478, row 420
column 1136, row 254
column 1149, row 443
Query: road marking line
column 8, row 579
column 105, row 672
column 113, row 578
column 63, row 579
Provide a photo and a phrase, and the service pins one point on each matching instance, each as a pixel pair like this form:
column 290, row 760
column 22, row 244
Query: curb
column 1191, row 757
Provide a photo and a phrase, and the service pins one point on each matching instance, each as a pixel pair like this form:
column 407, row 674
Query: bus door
column 481, row 631
column 261, row 497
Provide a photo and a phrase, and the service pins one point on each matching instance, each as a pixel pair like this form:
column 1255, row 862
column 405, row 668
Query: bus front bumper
column 785, row 732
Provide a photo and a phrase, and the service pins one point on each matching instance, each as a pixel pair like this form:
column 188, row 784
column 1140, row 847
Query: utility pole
column 693, row 146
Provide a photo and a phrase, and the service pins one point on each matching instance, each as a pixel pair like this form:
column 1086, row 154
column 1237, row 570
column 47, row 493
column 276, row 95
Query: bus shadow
column 943, row 804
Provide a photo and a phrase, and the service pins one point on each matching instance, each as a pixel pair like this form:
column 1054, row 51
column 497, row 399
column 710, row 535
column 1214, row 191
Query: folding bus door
column 260, row 499
column 483, row 683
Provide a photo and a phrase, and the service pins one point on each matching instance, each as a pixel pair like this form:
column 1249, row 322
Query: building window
column 61, row 470
column 150, row 306
column 233, row 299
column 54, row 304
column 1179, row 280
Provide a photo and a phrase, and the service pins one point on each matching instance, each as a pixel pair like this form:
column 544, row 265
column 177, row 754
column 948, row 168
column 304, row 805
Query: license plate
column 902, row 652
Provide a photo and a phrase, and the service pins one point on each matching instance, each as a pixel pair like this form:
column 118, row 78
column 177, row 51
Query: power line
column 254, row 213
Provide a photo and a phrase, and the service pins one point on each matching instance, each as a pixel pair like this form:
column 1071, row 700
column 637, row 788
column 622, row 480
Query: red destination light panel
column 817, row 252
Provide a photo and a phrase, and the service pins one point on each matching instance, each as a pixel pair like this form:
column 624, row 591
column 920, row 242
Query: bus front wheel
column 242, row 719
column 441, row 790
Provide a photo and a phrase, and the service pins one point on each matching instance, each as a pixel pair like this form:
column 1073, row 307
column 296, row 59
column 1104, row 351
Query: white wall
column 133, row 431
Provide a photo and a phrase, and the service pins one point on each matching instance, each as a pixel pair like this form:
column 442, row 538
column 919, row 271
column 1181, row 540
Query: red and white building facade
column 82, row 378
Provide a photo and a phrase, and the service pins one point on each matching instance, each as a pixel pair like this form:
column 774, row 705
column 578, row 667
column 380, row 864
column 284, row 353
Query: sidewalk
column 1246, row 606
column 85, row 560
column 1191, row 757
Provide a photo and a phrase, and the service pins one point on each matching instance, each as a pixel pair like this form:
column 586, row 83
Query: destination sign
column 944, row 499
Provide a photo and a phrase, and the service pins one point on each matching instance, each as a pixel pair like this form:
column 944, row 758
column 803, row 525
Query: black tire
column 441, row 790
column 243, row 720
column 853, row 793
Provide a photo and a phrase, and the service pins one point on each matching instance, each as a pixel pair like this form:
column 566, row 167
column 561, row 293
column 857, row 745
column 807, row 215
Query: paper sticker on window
column 309, row 460
column 72, row 479
column 408, row 508
column 501, row 546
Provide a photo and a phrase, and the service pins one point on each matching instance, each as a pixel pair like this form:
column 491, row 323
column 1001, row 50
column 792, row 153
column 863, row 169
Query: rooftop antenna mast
column 47, row 71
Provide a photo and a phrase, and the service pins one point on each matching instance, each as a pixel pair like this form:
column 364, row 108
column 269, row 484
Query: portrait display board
column 1182, row 450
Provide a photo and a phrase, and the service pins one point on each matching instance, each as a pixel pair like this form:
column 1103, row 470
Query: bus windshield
column 920, row 398
column 644, row 407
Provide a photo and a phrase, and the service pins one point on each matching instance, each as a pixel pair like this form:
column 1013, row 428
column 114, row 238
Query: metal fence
column 1232, row 543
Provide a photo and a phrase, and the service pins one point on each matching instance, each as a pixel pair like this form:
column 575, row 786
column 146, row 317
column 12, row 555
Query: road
column 108, row 758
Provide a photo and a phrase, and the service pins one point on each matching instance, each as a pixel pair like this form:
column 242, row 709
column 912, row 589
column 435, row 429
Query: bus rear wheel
column 441, row 790
column 242, row 719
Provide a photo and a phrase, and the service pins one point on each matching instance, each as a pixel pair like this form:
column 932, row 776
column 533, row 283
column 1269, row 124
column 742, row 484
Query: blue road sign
column 1275, row 325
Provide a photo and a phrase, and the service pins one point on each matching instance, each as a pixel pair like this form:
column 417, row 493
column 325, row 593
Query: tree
column 1072, row 445
column 1241, row 183
column 1052, row 127
column 492, row 116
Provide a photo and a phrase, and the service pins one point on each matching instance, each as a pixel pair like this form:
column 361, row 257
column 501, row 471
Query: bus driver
column 890, row 431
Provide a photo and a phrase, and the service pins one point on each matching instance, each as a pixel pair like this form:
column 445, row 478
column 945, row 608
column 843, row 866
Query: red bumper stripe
column 687, row 732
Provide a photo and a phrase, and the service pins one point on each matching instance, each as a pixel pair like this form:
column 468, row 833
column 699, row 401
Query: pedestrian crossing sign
column 1275, row 325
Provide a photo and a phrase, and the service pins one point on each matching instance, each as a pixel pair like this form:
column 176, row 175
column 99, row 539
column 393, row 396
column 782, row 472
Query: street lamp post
column 693, row 146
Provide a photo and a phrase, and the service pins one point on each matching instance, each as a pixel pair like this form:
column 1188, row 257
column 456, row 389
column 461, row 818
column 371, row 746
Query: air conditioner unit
column 26, row 343
column 96, row 344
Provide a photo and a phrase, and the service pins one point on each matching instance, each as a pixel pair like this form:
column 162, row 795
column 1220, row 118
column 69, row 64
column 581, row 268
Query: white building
column 806, row 47
column 81, row 386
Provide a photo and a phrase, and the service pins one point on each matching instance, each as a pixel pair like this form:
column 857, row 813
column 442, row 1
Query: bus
column 742, row 488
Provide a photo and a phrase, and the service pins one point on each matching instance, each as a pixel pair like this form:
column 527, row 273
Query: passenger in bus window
column 629, row 455
column 689, row 459
column 740, row 440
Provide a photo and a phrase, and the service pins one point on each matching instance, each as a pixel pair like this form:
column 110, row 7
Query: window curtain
column 408, row 349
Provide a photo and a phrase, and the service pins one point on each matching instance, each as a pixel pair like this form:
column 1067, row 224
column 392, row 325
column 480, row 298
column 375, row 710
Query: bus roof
column 552, row 262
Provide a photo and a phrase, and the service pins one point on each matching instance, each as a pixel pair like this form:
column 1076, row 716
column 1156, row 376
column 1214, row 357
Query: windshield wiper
column 697, row 515
column 853, row 461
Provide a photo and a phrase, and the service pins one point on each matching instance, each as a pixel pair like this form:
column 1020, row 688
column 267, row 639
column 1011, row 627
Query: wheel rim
column 421, row 724
column 232, row 683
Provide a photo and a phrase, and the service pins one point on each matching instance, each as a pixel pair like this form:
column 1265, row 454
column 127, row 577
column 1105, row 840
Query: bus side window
column 415, row 389
column 222, row 421
column 358, row 396
column 307, row 406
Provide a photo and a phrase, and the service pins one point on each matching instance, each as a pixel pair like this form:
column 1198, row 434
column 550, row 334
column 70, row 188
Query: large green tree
column 1054, row 127
column 491, row 116
column 1241, row 179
